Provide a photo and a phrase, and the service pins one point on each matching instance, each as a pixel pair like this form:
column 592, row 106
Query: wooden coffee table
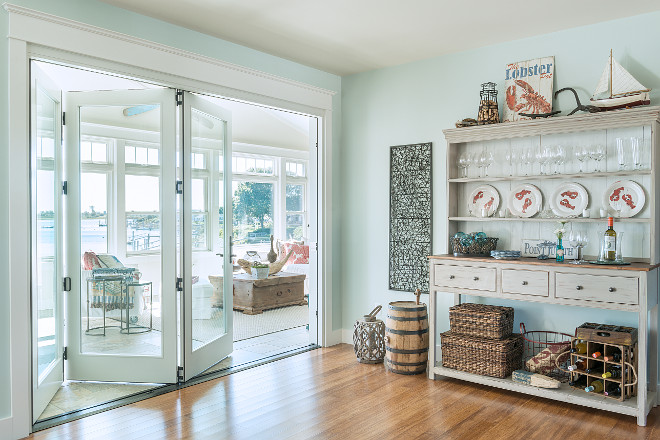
column 253, row 296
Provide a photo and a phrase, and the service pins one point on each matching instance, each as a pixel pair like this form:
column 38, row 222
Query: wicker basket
column 481, row 320
column 477, row 248
column 486, row 357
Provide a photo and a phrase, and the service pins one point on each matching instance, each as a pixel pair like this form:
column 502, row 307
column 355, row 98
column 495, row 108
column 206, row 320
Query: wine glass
column 581, row 156
column 584, row 241
column 481, row 162
column 634, row 149
column 598, row 154
column 574, row 240
column 508, row 156
column 469, row 161
column 539, row 158
column 490, row 159
column 526, row 159
column 560, row 157
column 461, row 164
column 621, row 154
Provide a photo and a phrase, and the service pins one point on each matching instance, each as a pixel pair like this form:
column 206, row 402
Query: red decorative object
column 300, row 254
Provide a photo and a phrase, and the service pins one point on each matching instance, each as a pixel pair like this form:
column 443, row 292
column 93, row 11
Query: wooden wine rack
column 597, row 366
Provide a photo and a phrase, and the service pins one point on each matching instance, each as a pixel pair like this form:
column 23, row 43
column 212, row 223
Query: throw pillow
column 300, row 254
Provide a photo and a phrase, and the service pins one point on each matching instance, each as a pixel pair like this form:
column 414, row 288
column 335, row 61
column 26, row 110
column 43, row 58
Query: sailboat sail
column 604, row 83
column 623, row 82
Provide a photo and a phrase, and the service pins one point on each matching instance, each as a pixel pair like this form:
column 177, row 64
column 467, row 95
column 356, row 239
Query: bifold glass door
column 47, row 299
column 121, row 235
column 206, row 235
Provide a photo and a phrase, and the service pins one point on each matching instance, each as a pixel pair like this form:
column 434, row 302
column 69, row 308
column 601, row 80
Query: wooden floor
column 327, row 394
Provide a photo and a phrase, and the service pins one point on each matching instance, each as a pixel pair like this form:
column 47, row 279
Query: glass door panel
column 122, row 201
column 47, row 319
column 206, row 260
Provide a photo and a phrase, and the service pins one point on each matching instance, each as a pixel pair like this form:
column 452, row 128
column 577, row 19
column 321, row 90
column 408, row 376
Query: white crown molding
column 27, row 12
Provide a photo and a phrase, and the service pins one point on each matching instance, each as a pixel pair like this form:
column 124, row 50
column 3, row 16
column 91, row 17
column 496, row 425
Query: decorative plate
column 484, row 196
column 525, row 200
column 625, row 196
column 569, row 200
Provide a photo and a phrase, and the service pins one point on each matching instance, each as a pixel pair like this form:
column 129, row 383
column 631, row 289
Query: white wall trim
column 31, row 34
column 22, row 32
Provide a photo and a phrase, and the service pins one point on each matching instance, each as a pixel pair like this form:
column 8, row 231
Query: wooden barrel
column 406, row 337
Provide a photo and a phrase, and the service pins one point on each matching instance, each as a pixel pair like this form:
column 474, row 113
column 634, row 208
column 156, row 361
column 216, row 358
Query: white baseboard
column 347, row 336
column 333, row 338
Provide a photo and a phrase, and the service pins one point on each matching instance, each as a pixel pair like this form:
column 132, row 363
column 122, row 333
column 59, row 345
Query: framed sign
column 528, row 88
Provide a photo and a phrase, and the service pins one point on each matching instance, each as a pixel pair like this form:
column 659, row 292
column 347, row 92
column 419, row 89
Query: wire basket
column 544, row 350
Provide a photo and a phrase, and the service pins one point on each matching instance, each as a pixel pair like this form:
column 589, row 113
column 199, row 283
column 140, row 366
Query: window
column 200, row 214
column 93, row 152
column 295, row 211
column 141, row 155
column 253, row 212
column 94, row 212
column 295, row 169
column 252, row 165
column 142, row 213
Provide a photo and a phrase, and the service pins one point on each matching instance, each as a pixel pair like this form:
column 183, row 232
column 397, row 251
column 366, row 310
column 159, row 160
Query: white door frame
column 33, row 34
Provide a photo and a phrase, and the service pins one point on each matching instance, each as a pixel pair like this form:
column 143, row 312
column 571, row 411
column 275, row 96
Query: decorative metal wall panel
column 410, row 217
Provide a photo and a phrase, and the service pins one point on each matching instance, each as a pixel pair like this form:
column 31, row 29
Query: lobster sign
column 528, row 87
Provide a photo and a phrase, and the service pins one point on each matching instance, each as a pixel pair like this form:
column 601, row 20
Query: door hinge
column 317, row 145
column 179, row 97
column 179, row 284
column 317, row 313
column 65, row 187
column 179, row 374
column 317, row 246
column 179, row 186
column 67, row 284
column 65, row 353
column 63, row 118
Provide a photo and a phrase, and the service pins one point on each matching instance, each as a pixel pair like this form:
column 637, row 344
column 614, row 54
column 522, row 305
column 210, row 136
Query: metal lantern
column 369, row 338
column 488, row 112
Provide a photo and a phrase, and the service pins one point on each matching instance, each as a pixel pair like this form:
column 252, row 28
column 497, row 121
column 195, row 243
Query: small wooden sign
column 530, row 247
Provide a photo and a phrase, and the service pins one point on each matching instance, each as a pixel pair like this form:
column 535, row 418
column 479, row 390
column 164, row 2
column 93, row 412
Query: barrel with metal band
column 406, row 337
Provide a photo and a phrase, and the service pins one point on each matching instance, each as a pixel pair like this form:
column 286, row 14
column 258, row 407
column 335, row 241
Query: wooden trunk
column 406, row 337
column 253, row 296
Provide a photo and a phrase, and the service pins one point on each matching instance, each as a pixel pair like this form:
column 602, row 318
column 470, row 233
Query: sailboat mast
column 610, row 73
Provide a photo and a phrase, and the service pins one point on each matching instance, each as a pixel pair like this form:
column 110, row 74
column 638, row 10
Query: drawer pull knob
column 611, row 289
column 476, row 278
column 524, row 283
column 578, row 287
column 451, row 277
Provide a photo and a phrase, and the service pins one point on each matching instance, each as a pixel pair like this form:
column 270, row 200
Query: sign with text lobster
column 528, row 88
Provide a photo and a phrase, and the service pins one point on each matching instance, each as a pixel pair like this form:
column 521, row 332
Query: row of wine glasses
column 628, row 151
column 584, row 154
column 481, row 160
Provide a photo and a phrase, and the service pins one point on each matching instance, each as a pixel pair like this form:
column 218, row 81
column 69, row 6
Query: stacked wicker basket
column 481, row 340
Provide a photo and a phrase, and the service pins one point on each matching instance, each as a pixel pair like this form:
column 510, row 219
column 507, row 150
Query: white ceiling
column 351, row 36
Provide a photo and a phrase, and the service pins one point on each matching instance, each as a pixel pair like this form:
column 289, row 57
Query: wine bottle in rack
column 595, row 387
column 613, row 390
column 613, row 355
column 614, row 372
column 579, row 365
column 578, row 381
column 580, row 348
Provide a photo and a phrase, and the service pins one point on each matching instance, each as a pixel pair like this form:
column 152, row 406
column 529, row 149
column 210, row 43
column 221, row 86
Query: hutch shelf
column 632, row 288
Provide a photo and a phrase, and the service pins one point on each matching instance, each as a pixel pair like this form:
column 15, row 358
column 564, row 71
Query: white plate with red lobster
column 625, row 197
column 569, row 200
column 525, row 200
column 484, row 197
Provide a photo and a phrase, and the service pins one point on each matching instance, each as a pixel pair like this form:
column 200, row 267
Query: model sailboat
column 617, row 88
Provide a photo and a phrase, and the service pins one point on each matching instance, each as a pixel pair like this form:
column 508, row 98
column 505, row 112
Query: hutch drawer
column 465, row 277
column 525, row 282
column 600, row 288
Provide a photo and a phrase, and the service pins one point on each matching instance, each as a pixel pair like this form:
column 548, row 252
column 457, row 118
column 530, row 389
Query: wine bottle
column 596, row 354
column 613, row 390
column 579, row 381
column 613, row 356
column 579, row 365
column 580, row 348
column 609, row 241
column 612, row 373
column 595, row 387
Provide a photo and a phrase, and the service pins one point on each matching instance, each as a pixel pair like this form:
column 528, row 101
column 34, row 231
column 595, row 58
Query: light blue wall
column 414, row 102
column 100, row 14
